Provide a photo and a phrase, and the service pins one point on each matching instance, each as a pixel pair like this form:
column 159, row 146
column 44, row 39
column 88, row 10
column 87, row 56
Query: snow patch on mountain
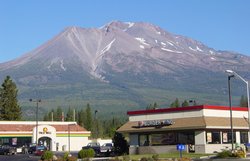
column 141, row 40
column 96, row 60
column 57, row 62
column 158, row 32
column 197, row 48
column 130, row 24
column 141, row 46
column 62, row 66
column 173, row 51
column 191, row 48
column 164, row 44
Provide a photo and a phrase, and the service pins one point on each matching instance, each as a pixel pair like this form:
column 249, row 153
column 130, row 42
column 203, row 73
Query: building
column 57, row 136
column 203, row 129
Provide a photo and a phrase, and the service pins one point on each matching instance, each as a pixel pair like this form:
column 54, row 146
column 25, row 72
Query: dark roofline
column 181, row 109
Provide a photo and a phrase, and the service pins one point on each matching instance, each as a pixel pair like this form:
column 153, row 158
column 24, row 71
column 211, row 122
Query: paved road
column 19, row 157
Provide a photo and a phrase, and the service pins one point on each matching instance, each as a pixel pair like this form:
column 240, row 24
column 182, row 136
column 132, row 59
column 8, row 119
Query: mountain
column 123, row 65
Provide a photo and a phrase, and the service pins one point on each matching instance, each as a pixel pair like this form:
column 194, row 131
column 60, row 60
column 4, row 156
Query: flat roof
column 193, row 123
column 181, row 109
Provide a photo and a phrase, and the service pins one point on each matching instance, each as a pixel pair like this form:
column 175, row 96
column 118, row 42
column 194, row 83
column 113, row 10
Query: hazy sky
column 220, row 24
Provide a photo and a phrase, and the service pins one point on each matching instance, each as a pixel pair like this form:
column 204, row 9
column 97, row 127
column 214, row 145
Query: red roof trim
column 181, row 109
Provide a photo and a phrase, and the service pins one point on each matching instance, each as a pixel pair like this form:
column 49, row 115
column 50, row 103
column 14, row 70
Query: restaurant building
column 202, row 129
column 56, row 136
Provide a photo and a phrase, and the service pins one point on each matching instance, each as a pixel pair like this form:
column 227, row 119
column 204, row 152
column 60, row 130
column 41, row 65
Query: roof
column 193, row 123
column 29, row 125
column 181, row 109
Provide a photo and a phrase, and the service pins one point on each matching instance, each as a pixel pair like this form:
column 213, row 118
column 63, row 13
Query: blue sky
column 220, row 24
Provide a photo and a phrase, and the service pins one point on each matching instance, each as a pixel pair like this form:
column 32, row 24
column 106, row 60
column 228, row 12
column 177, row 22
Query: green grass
column 167, row 155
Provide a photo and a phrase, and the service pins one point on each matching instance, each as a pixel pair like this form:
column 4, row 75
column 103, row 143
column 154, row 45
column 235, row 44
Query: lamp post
column 37, row 101
column 69, row 137
column 233, row 73
column 231, row 114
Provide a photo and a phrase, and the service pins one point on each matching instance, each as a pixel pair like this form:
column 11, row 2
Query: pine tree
column 185, row 104
column 58, row 114
column 81, row 117
column 175, row 103
column 88, row 121
column 69, row 115
column 9, row 108
column 243, row 101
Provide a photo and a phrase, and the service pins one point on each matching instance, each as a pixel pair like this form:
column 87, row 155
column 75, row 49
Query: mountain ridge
column 123, row 62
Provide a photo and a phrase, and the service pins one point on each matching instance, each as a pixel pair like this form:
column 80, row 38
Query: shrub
column 65, row 156
column 72, row 158
column 240, row 154
column 155, row 157
column 86, row 153
column 47, row 155
column 225, row 154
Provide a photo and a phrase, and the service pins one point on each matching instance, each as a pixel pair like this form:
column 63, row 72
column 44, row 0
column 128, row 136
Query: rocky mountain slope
column 123, row 65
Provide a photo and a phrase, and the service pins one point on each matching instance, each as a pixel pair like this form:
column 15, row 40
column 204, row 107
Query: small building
column 203, row 129
column 56, row 136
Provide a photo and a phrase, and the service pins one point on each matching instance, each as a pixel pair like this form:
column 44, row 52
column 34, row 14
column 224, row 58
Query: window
column 227, row 137
column 213, row 137
column 243, row 137
column 143, row 140
column 164, row 139
column 186, row 137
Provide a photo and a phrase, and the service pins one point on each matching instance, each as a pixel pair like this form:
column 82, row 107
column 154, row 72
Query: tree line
column 87, row 118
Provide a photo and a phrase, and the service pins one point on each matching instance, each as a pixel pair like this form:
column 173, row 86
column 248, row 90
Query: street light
column 248, row 106
column 37, row 101
column 230, row 105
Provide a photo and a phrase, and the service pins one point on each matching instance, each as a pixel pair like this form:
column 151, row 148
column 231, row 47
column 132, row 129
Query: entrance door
column 45, row 141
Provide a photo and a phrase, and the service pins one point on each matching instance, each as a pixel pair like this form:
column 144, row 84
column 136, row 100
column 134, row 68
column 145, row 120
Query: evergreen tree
column 9, row 108
column 46, row 117
column 120, row 144
column 81, row 117
column 151, row 107
column 58, row 114
column 69, row 115
column 185, row 104
column 243, row 101
column 175, row 103
column 88, row 122
column 155, row 105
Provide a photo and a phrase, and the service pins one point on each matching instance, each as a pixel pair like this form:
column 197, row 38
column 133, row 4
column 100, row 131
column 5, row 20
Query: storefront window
column 163, row 139
column 186, row 138
column 143, row 140
column 227, row 137
column 243, row 137
column 213, row 137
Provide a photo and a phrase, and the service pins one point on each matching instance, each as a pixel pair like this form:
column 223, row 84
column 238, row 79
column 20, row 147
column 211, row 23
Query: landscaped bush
column 240, row 154
column 155, row 157
column 86, row 153
column 47, row 155
column 228, row 154
column 225, row 154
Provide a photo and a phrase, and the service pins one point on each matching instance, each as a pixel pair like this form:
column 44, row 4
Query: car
column 7, row 149
column 107, row 149
column 32, row 149
column 40, row 150
column 95, row 146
